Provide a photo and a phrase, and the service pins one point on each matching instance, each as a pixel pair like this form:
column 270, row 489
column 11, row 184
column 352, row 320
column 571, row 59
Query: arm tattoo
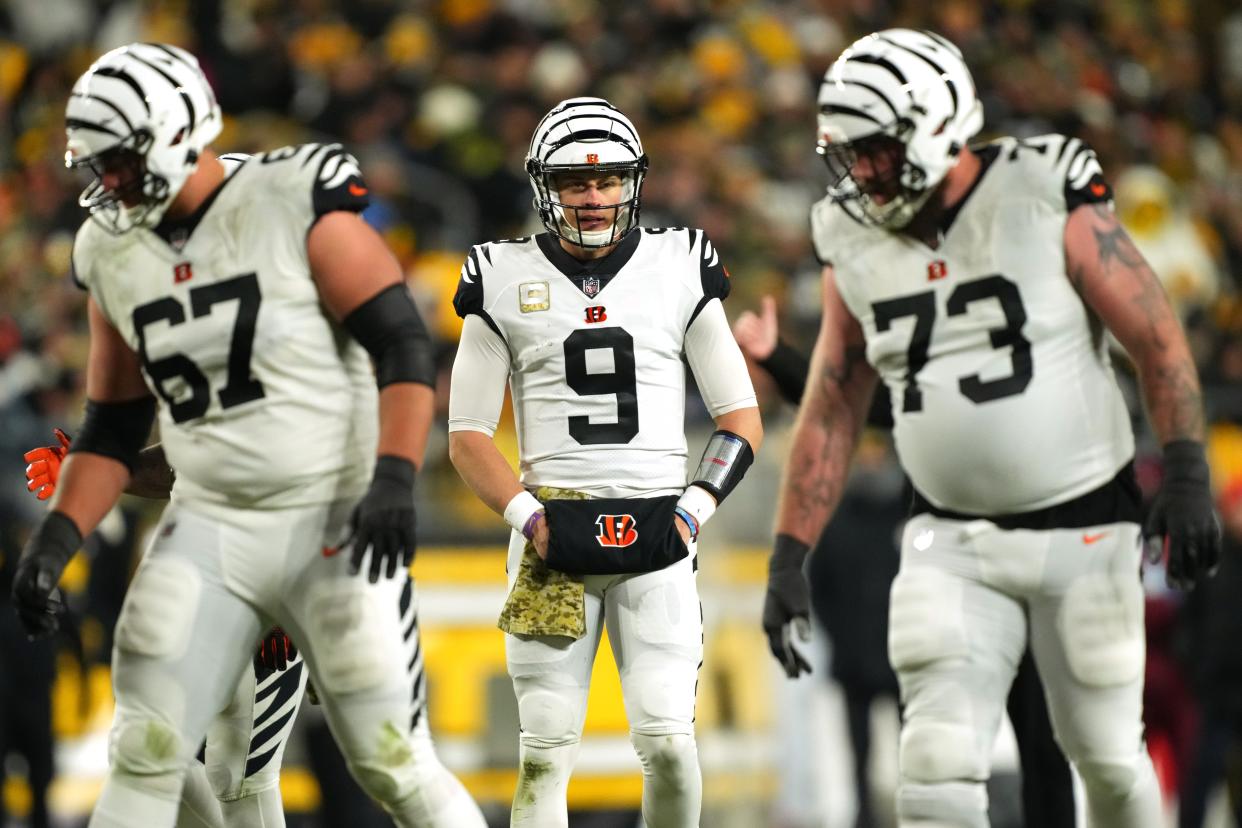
column 815, row 476
column 152, row 476
column 1169, row 378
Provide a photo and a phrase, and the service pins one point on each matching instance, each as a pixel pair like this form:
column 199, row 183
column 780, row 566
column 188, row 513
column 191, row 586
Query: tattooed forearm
column 1110, row 273
column 151, row 476
column 840, row 373
column 1174, row 401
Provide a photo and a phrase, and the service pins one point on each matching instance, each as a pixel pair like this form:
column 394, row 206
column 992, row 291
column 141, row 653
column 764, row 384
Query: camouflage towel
column 544, row 601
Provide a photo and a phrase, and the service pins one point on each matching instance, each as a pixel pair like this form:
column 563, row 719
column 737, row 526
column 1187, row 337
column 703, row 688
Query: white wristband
column 520, row 508
column 699, row 503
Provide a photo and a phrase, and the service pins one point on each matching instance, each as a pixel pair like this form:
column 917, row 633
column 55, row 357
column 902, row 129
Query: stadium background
column 438, row 100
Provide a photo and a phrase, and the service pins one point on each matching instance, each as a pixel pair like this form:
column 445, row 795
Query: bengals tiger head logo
column 616, row 530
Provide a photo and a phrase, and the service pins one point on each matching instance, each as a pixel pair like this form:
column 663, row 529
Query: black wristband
column 56, row 538
column 787, row 553
column 789, row 369
column 395, row 469
column 1185, row 461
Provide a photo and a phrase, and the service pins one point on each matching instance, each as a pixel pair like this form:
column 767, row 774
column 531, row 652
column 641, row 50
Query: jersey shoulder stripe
column 327, row 173
column 486, row 272
column 1063, row 168
column 701, row 256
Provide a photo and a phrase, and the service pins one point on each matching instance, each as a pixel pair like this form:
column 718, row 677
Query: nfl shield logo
column 590, row 286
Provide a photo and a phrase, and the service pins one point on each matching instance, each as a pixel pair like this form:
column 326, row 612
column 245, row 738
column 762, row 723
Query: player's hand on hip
column 384, row 522
column 756, row 334
column 1183, row 515
column 787, row 605
column 276, row 650
column 540, row 537
column 43, row 467
column 35, row 595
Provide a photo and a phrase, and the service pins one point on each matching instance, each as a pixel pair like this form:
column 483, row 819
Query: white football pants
column 206, row 591
column 655, row 626
column 963, row 605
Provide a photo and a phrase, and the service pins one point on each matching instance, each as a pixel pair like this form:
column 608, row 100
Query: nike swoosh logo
column 356, row 190
column 1089, row 539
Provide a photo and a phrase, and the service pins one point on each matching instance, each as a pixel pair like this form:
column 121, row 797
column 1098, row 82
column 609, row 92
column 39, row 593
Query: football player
column 588, row 323
column 243, row 307
column 978, row 283
column 238, row 782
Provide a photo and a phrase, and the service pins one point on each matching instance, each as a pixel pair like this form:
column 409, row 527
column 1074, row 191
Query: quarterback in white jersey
column 978, row 285
column 589, row 324
column 243, row 303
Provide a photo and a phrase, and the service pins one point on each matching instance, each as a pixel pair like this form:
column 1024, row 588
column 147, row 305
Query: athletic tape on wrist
column 699, row 504
column 520, row 510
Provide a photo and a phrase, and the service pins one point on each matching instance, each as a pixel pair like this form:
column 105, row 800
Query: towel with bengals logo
column 613, row 536
column 601, row 536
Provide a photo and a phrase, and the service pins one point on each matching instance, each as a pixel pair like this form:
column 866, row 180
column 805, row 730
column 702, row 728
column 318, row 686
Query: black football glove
column 383, row 521
column 47, row 552
column 275, row 651
column 787, row 605
column 1182, row 515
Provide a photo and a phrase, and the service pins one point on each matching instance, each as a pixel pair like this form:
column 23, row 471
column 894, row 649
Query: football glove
column 787, row 605
column 44, row 466
column 35, row 595
column 384, row 521
column 275, row 651
column 1182, row 515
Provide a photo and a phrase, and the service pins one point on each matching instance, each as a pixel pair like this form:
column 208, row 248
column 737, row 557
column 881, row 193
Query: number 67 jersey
column 595, row 356
column 265, row 402
column 1004, row 399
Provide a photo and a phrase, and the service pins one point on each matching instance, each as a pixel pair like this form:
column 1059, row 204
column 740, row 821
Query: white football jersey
column 596, row 354
column 1004, row 399
column 265, row 402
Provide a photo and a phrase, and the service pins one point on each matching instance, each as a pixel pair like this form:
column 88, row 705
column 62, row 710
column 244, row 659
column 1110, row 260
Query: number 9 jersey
column 1004, row 399
column 595, row 354
column 265, row 401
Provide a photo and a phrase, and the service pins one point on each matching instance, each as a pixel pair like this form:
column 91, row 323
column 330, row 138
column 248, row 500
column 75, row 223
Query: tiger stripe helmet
column 912, row 87
column 153, row 101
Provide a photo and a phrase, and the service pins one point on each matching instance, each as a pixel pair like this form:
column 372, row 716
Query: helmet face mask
column 138, row 119
column 895, row 111
column 586, row 143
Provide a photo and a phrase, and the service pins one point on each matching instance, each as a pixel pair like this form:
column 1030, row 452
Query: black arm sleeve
column 788, row 369
column 388, row 325
column 116, row 429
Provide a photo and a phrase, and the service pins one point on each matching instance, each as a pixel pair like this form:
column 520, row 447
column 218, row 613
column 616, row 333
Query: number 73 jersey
column 595, row 356
column 265, row 402
column 1003, row 395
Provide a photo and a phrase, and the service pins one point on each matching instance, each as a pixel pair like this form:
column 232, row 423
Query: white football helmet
column 586, row 135
column 904, row 103
column 147, row 105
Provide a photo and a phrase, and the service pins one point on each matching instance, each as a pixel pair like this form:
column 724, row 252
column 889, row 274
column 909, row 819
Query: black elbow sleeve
column 116, row 429
column 390, row 328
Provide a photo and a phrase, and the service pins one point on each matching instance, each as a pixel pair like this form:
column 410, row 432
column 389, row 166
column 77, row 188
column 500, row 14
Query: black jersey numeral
column 922, row 306
column 622, row 382
column 240, row 387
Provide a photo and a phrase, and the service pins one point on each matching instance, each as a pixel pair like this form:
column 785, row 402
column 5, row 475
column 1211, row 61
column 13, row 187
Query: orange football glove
column 44, row 468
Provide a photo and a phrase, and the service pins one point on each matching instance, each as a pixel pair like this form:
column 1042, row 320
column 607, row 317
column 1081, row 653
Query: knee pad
column 159, row 609
column 672, row 758
column 934, row 751
column 957, row 804
column 148, row 749
column 925, row 618
column 548, row 718
column 1114, row 778
column 1101, row 628
column 354, row 637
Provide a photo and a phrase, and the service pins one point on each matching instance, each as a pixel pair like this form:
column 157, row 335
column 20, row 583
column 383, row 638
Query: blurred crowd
column 437, row 99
